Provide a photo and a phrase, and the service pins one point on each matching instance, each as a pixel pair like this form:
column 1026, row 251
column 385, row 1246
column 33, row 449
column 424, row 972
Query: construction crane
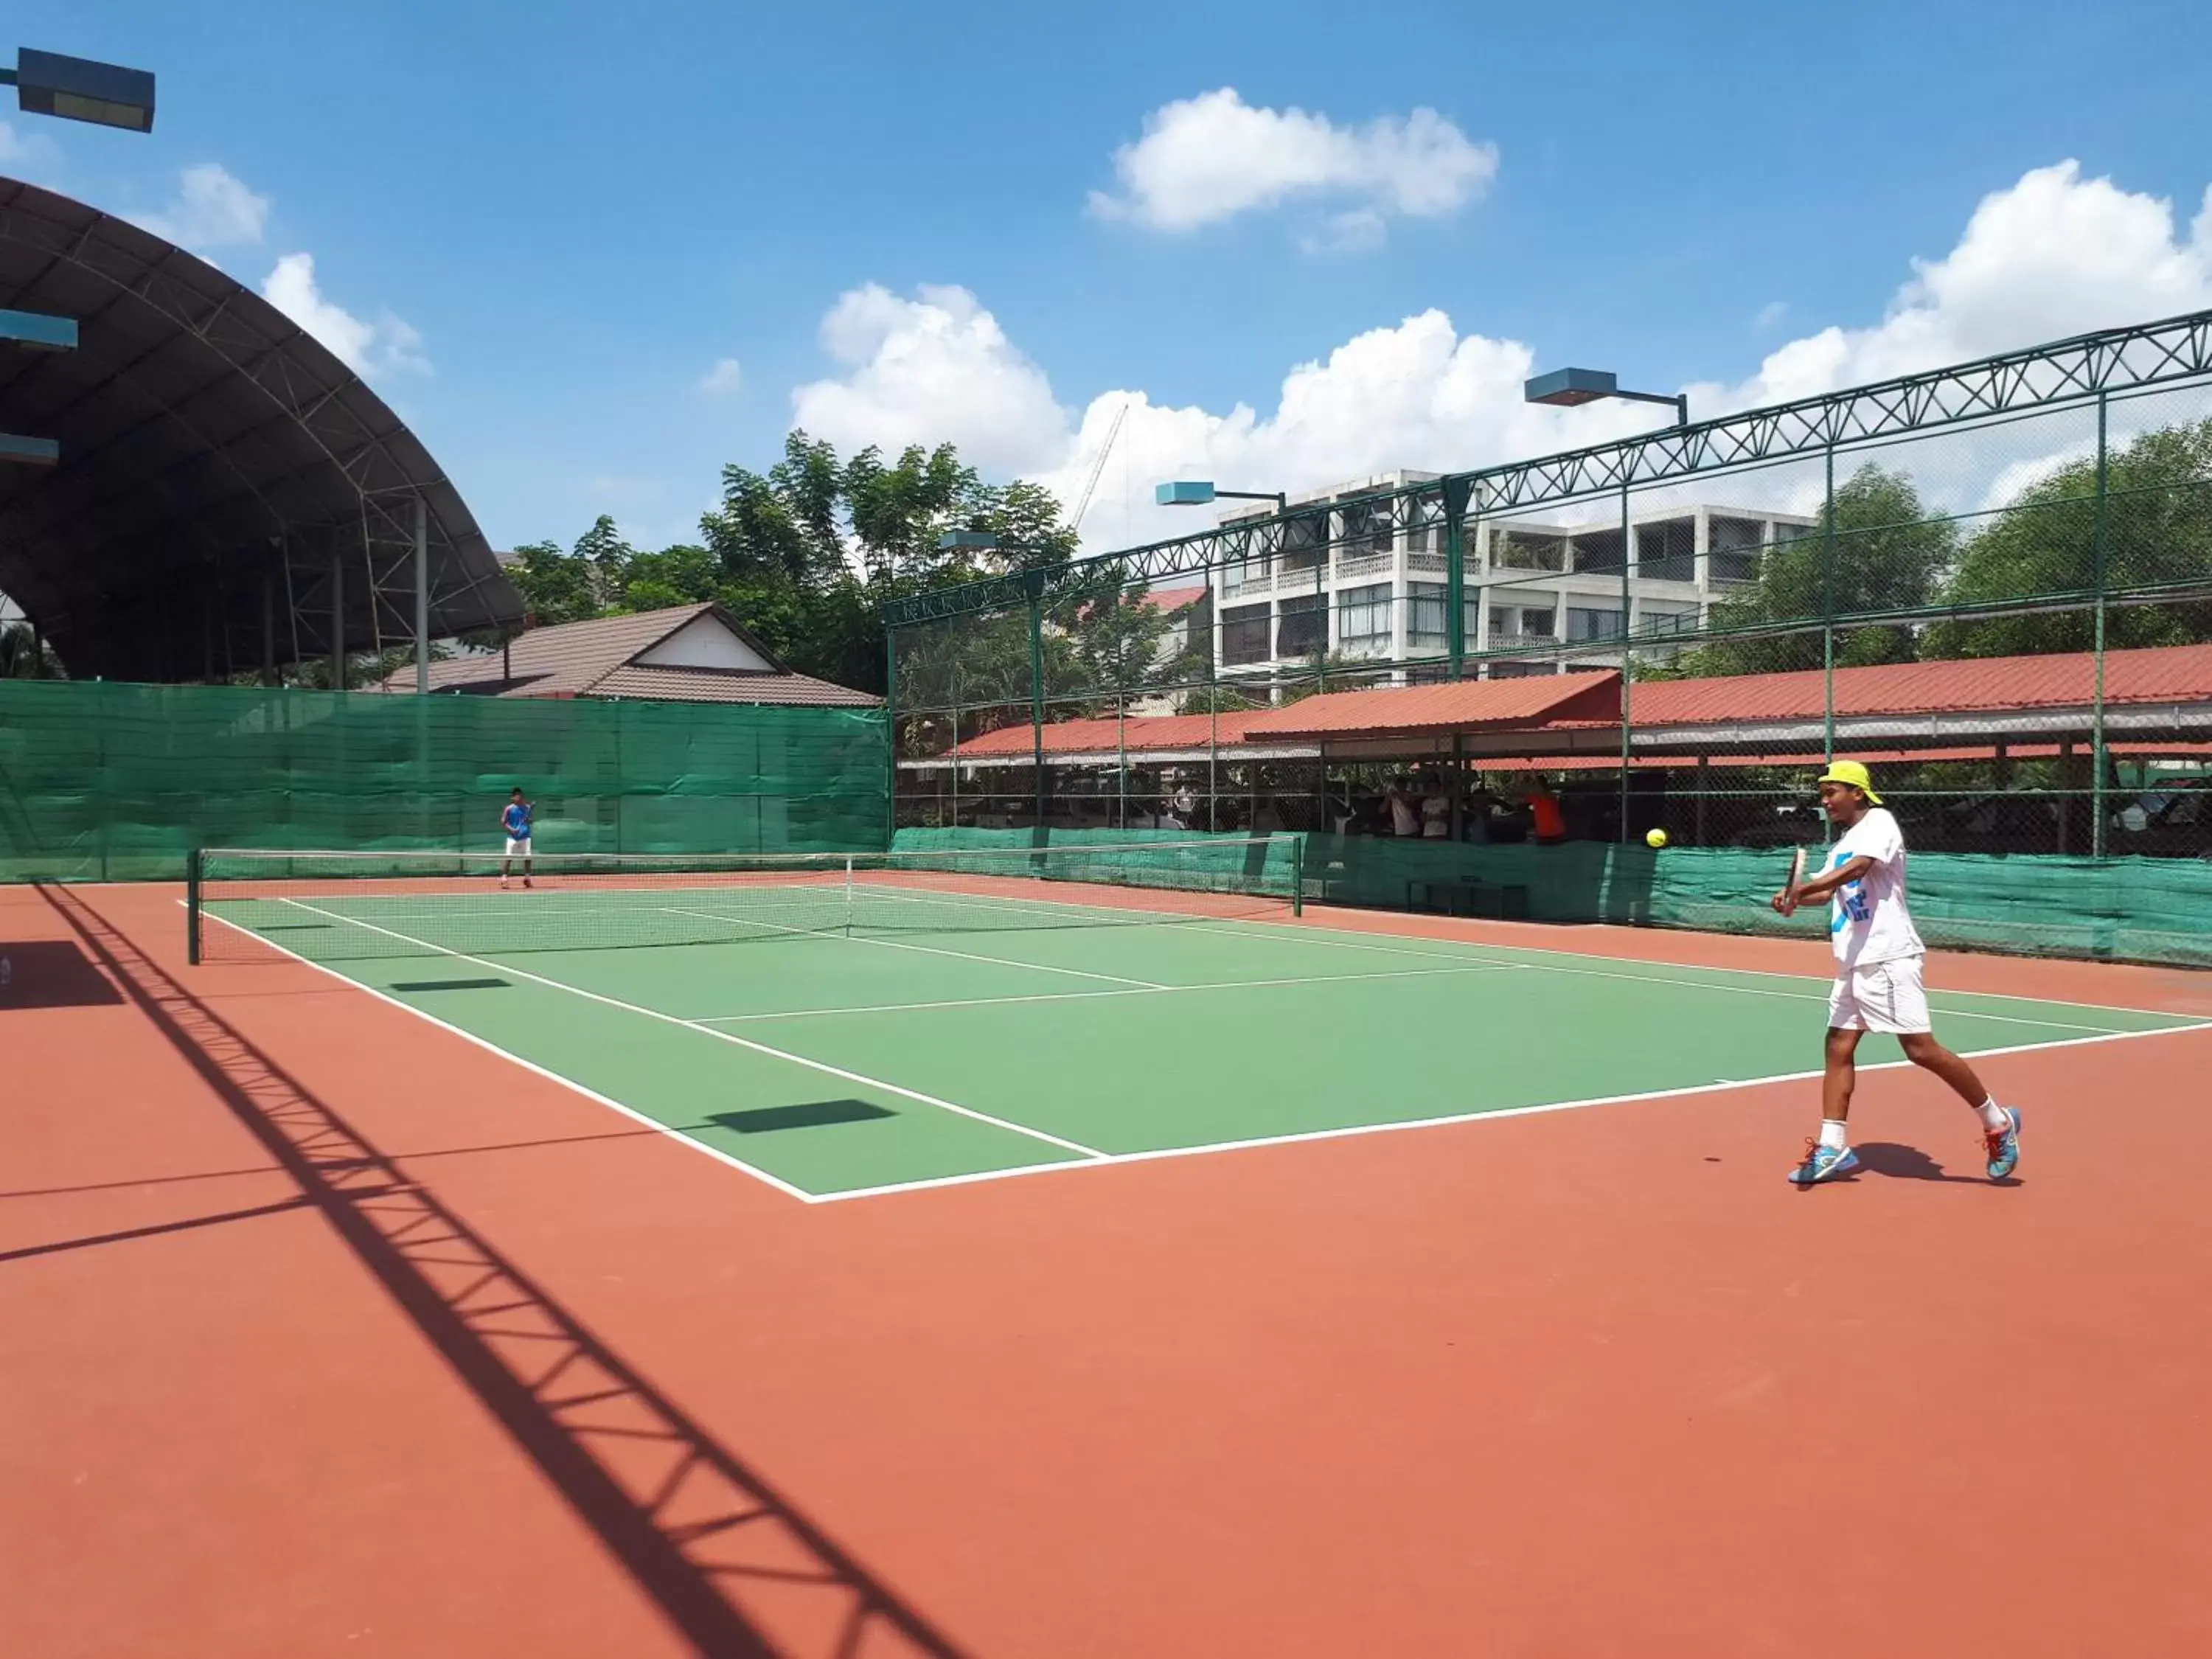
column 1091, row 485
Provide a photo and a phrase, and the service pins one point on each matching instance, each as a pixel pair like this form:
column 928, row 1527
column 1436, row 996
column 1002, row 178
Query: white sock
column 1994, row 1117
column 1832, row 1134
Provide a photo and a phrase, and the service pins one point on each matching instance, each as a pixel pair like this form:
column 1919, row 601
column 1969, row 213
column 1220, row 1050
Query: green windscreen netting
column 103, row 781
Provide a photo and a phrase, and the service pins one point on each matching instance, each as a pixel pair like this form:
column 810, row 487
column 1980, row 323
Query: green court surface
column 909, row 1047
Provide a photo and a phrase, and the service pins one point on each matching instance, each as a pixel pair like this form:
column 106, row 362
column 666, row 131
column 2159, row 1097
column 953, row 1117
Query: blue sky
column 540, row 229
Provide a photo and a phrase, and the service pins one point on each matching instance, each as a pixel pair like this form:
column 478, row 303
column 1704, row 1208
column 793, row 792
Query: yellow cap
column 1853, row 772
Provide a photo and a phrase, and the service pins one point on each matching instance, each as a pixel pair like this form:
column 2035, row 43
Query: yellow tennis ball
column 1656, row 839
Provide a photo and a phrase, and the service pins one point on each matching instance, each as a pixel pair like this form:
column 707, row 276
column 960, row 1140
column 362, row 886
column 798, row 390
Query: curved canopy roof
column 225, row 486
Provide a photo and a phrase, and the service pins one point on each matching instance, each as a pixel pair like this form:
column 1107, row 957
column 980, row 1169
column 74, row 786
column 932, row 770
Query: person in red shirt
column 1550, row 824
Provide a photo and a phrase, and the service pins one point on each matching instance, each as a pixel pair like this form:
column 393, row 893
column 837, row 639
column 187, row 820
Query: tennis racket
column 1796, row 875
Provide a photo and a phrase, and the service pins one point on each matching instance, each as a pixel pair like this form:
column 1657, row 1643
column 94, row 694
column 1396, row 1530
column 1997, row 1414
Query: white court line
column 1349, row 1131
column 902, row 944
column 591, row 1094
column 1082, row 996
column 1331, row 938
column 722, row 1037
column 1232, row 926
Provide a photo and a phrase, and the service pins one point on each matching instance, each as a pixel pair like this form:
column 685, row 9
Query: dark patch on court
column 52, row 973
column 807, row 1115
column 451, row 985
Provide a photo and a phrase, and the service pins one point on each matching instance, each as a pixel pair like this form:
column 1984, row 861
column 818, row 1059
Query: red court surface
column 329, row 1332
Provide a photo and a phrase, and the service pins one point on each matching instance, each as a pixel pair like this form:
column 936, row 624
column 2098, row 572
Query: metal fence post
column 890, row 733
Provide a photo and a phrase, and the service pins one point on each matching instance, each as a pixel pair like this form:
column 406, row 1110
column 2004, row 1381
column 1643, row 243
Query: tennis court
column 842, row 1027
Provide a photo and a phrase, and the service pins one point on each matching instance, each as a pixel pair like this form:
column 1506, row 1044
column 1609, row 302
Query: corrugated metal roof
column 1139, row 733
column 2164, row 674
column 1569, row 702
column 596, row 658
column 1461, row 706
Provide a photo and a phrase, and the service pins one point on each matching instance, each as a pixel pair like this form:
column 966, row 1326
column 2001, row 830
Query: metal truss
column 274, row 519
column 2062, row 373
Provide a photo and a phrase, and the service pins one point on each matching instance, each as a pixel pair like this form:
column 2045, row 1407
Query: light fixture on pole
column 80, row 89
column 1567, row 388
column 1198, row 492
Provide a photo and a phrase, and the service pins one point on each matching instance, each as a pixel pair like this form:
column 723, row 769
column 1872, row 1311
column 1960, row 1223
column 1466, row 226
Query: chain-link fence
column 1992, row 583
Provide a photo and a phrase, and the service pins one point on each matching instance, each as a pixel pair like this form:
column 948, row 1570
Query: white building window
column 1428, row 616
column 1302, row 626
column 1732, row 546
column 1363, row 620
column 1668, row 551
column 1244, row 634
column 1592, row 623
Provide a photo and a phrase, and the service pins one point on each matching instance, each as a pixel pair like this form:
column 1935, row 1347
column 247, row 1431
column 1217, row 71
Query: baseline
column 1446, row 1120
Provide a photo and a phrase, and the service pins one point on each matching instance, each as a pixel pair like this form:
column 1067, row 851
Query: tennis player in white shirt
column 1878, row 985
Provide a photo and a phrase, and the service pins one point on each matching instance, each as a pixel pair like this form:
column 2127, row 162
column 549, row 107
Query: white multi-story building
column 1351, row 583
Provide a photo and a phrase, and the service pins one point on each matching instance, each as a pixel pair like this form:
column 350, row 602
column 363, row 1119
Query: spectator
column 1475, row 822
column 1551, row 825
column 1404, row 816
column 1436, row 810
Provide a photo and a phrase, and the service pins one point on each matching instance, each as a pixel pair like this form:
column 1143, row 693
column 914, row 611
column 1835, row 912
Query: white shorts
column 1883, row 996
column 517, row 845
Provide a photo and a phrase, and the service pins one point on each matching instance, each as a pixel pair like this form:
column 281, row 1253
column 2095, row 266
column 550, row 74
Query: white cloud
column 1205, row 159
column 934, row 369
column 727, row 376
column 1770, row 313
column 386, row 346
column 212, row 210
column 28, row 155
column 2053, row 255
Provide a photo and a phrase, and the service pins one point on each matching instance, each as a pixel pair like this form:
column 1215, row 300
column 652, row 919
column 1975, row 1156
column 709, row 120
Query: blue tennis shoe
column 1827, row 1163
column 2004, row 1146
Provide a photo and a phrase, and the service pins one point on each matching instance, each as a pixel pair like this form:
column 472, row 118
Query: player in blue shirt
column 514, row 818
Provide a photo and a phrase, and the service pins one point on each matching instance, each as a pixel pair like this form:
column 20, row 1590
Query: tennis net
column 246, row 904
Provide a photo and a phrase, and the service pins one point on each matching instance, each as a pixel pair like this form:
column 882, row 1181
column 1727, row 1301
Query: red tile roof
column 1461, row 706
column 597, row 658
column 1174, row 599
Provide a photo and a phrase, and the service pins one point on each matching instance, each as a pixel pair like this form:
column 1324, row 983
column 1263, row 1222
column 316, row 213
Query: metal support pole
column 1627, row 665
column 337, row 618
column 1455, row 495
column 2097, row 749
column 268, row 625
column 1828, row 614
column 1458, row 788
column 1036, row 705
column 421, row 596
column 890, row 732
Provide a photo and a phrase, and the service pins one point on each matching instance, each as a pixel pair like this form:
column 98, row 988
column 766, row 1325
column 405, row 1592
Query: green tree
column 1888, row 556
column 556, row 587
column 2158, row 533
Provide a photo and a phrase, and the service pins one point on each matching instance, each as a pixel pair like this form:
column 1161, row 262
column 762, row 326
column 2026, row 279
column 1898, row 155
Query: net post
column 848, row 893
column 193, row 879
column 890, row 733
column 1297, row 875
